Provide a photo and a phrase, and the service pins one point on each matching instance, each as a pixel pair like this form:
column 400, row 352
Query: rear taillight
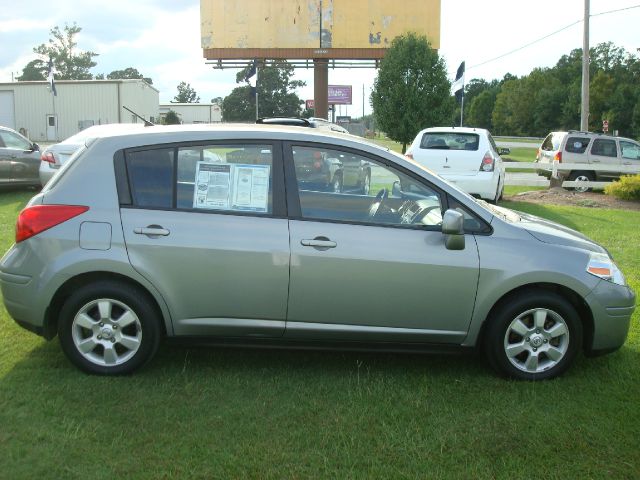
column 409, row 155
column 37, row 219
column 558, row 157
column 488, row 163
column 48, row 157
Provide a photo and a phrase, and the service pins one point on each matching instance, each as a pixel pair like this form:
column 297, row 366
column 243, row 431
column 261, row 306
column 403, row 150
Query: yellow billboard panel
column 315, row 24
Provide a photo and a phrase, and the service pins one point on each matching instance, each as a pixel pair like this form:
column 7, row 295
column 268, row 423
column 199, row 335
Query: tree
column 171, row 118
column 34, row 70
column 411, row 91
column 186, row 94
column 217, row 101
column 128, row 73
column 276, row 94
column 69, row 63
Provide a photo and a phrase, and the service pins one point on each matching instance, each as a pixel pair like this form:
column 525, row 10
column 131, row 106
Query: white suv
column 589, row 149
column 467, row 157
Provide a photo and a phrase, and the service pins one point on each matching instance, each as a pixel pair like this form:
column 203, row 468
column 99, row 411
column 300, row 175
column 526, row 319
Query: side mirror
column 504, row 151
column 35, row 147
column 453, row 230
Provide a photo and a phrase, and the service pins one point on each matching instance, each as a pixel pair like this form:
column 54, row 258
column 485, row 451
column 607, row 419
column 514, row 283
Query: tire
column 534, row 335
column 108, row 328
column 581, row 176
column 498, row 195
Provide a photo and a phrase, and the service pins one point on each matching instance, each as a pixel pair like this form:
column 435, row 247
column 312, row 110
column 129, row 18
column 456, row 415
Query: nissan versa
column 214, row 233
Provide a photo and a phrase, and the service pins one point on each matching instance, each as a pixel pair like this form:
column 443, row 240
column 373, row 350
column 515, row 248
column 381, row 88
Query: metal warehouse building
column 193, row 112
column 32, row 109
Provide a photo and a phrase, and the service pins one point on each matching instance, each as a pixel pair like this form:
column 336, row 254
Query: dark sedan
column 19, row 159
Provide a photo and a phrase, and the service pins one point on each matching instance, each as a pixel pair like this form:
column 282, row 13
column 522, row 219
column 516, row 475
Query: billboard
column 339, row 95
column 312, row 28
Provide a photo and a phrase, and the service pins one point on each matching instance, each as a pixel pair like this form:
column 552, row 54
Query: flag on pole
column 50, row 72
column 457, row 87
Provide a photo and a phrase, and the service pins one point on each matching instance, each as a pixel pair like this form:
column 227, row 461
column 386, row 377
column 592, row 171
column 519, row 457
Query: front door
column 374, row 267
column 207, row 236
column 52, row 127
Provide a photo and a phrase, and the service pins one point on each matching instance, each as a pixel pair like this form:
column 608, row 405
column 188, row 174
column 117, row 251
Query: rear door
column 451, row 153
column 604, row 151
column 206, row 225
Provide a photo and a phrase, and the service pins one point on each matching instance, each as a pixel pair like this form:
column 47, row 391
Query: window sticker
column 226, row 186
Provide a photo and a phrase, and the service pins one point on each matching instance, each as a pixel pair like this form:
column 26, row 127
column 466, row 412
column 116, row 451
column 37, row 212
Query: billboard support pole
column 321, row 87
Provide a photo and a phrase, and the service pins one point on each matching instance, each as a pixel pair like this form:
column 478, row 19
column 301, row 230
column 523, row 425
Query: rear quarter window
column 577, row 144
column 450, row 141
column 151, row 177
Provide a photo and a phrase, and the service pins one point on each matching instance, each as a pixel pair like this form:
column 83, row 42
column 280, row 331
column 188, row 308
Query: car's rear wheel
column 584, row 178
column 109, row 328
column 533, row 336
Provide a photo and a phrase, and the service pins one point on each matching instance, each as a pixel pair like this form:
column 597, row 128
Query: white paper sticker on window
column 225, row 186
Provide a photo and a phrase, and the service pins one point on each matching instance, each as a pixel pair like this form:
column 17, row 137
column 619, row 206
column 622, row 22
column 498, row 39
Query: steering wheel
column 377, row 202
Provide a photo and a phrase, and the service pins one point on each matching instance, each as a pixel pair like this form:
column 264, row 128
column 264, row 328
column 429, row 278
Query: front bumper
column 612, row 307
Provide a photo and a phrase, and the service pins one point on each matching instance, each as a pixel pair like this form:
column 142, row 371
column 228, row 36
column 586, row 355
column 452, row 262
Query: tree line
column 549, row 99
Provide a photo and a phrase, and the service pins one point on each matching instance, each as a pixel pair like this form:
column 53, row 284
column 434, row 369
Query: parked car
column 467, row 157
column 56, row 155
column 118, row 251
column 589, row 149
column 19, row 159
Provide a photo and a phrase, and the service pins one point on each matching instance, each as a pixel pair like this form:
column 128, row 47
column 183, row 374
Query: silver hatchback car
column 207, row 233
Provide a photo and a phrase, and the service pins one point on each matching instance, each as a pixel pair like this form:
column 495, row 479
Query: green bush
column 627, row 188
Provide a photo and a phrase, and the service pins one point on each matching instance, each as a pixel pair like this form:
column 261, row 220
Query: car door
column 374, row 267
column 19, row 163
column 605, row 152
column 205, row 224
column 630, row 153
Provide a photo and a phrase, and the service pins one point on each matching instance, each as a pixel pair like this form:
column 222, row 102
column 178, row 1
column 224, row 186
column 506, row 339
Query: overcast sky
column 161, row 38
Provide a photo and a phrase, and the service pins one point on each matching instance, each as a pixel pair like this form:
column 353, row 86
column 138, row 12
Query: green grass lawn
column 225, row 413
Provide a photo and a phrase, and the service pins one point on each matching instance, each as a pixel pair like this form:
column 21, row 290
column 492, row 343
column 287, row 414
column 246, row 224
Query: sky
column 161, row 38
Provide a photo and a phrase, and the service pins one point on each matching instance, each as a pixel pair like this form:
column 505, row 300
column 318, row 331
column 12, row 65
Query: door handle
column 595, row 161
column 152, row 231
column 627, row 163
column 318, row 242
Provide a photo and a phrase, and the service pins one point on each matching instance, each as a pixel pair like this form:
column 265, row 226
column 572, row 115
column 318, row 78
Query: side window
column 576, row 144
column 225, row 177
column 630, row 150
column 343, row 186
column 151, row 177
column 11, row 140
column 605, row 148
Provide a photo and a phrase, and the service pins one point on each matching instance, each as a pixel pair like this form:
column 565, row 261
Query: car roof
column 455, row 130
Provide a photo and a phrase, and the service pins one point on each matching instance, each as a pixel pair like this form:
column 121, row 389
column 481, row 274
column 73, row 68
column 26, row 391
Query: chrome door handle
column 152, row 231
column 627, row 163
column 595, row 161
column 319, row 242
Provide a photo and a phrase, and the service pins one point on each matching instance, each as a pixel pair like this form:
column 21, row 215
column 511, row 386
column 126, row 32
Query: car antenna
column 147, row 123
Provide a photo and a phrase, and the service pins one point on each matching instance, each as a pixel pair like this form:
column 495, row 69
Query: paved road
column 528, row 179
column 517, row 144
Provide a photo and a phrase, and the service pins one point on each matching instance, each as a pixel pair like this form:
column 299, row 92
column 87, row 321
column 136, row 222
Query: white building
column 194, row 112
column 32, row 109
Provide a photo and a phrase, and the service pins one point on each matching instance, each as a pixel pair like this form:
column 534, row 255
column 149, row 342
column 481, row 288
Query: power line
column 550, row 35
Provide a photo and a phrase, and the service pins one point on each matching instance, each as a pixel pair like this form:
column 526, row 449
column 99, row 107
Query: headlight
column 602, row 266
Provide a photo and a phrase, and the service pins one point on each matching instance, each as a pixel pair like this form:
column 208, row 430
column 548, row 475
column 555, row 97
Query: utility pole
column 584, row 111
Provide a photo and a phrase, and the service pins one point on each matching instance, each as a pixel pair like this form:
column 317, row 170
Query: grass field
column 221, row 413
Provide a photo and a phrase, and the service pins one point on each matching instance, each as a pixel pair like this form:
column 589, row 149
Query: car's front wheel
column 534, row 335
column 108, row 328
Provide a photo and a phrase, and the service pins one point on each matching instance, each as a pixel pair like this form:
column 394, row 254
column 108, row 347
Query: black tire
column 112, row 320
column 581, row 176
column 540, row 349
